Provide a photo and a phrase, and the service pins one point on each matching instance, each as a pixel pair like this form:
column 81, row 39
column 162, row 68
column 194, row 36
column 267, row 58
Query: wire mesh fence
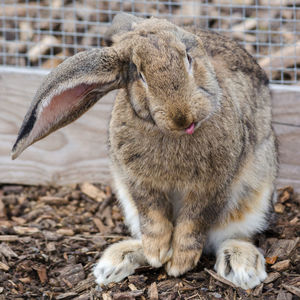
column 44, row 32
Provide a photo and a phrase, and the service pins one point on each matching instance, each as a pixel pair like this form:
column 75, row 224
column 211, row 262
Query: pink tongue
column 190, row 129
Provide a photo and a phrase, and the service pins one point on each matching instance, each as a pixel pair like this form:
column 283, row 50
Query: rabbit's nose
column 182, row 120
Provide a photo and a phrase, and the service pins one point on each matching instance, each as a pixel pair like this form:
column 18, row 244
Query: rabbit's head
column 165, row 70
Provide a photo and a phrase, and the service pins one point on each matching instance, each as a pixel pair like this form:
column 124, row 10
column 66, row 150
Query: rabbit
column 193, row 153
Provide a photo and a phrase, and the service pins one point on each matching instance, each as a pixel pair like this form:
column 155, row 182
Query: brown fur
column 187, row 245
column 157, row 234
column 224, row 92
column 208, row 161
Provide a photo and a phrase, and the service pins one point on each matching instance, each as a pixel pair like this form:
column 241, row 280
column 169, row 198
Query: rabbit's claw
column 241, row 263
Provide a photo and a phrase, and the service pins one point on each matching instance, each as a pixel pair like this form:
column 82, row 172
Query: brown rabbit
column 191, row 144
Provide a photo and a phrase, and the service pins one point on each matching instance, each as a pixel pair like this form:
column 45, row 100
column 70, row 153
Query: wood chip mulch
column 51, row 237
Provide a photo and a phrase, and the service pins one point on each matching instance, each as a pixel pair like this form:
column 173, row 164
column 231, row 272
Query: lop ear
column 69, row 91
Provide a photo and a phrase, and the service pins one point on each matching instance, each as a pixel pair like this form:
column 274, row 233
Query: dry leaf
column 271, row 260
column 279, row 208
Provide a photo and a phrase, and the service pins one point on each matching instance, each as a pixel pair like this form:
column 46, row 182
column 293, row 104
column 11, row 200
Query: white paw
column 182, row 261
column 164, row 256
column 154, row 262
column 241, row 263
column 119, row 261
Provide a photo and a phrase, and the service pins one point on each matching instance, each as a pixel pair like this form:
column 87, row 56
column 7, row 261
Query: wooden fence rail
column 78, row 152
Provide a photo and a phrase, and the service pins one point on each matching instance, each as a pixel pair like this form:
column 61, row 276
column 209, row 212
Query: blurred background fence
column 42, row 33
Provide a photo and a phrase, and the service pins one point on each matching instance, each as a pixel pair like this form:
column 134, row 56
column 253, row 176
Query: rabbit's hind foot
column 241, row 263
column 119, row 261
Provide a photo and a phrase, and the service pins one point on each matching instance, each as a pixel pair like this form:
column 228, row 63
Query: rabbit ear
column 121, row 23
column 69, row 91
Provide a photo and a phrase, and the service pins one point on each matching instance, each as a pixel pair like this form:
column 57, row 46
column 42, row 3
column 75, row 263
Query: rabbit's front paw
column 241, row 263
column 182, row 261
column 156, row 240
column 119, row 261
column 187, row 249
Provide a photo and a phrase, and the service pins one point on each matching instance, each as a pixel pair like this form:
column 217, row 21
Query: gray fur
column 224, row 170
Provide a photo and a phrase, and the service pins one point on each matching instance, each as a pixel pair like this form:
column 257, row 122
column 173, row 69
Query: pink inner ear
column 60, row 107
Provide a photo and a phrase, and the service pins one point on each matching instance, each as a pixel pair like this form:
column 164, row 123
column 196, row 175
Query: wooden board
column 78, row 152
column 73, row 154
column 286, row 121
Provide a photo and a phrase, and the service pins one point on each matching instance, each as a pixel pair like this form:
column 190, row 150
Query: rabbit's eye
column 142, row 77
column 190, row 60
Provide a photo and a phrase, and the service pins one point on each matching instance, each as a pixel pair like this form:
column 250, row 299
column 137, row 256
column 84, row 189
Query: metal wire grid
column 42, row 33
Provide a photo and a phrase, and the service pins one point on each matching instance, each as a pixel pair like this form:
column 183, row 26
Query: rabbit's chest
column 146, row 154
column 162, row 162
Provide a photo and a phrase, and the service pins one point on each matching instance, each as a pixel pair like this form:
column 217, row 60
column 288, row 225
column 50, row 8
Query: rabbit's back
column 234, row 58
column 244, row 82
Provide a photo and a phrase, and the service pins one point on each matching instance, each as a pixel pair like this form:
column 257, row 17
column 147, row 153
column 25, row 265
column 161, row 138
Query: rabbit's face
column 166, row 80
column 165, row 70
